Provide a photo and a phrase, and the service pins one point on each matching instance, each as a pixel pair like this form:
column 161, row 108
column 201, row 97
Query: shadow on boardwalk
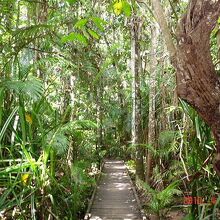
column 114, row 198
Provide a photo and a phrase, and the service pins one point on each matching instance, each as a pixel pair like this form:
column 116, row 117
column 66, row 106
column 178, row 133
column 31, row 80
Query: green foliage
column 51, row 67
column 166, row 138
column 81, row 23
column 93, row 34
column 80, row 125
column 160, row 200
column 88, row 27
column 126, row 8
column 6, row 124
column 99, row 22
column 32, row 88
column 74, row 37
column 58, row 142
column 72, row 1
column 65, row 105
column 120, row 6
column 82, row 183
column 116, row 152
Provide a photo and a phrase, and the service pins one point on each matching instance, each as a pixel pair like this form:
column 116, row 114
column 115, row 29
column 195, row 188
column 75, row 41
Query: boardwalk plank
column 114, row 198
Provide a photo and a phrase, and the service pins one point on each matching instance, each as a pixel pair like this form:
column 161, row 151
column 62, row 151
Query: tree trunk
column 123, row 115
column 99, row 110
column 152, row 101
column 197, row 80
column 41, row 15
column 71, row 155
column 136, row 99
column 161, row 19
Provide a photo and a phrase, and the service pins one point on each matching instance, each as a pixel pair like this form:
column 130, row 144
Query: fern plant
column 160, row 200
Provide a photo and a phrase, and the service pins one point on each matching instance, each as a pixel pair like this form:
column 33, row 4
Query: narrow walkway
column 114, row 198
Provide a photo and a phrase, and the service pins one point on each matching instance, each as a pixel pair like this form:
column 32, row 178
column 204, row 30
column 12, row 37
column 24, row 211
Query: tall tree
column 136, row 96
column 197, row 80
column 152, row 99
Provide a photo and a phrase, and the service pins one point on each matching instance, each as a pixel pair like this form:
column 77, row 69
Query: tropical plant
column 160, row 200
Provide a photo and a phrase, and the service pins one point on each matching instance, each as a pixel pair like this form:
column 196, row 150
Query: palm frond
column 160, row 199
column 32, row 87
column 24, row 36
column 81, row 125
column 58, row 142
column 167, row 137
column 3, row 130
column 147, row 188
column 166, row 195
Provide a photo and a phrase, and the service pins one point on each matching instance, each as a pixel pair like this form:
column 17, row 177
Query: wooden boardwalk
column 114, row 198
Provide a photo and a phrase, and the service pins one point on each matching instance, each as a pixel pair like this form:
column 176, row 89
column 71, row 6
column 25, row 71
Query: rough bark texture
column 197, row 80
column 136, row 99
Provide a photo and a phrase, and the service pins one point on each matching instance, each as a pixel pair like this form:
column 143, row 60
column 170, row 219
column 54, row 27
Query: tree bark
column 71, row 155
column 41, row 18
column 99, row 102
column 152, row 101
column 197, row 80
column 161, row 19
column 136, row 99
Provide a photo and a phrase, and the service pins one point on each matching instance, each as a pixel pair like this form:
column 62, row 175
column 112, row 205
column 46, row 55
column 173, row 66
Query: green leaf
column 71, row 1
column 93, row 34
column 74, row 37
column 81, row 23
column 65, row 39
column 32, row 87
column 99, row 22
column 85, row 33
column 2, row 132
column 126, row 9
column 58, row 142
column 198, row 125
column 81, row 38
column 80, row 125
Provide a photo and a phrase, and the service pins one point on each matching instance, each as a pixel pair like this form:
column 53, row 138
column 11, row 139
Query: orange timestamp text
column 197, row 200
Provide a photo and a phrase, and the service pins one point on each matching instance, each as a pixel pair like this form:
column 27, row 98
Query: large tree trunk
column 197, row 80
column 136, row 99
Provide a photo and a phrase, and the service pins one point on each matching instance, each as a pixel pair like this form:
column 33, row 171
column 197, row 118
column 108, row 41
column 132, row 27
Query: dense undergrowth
column 187, row 184
column 38, row 180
